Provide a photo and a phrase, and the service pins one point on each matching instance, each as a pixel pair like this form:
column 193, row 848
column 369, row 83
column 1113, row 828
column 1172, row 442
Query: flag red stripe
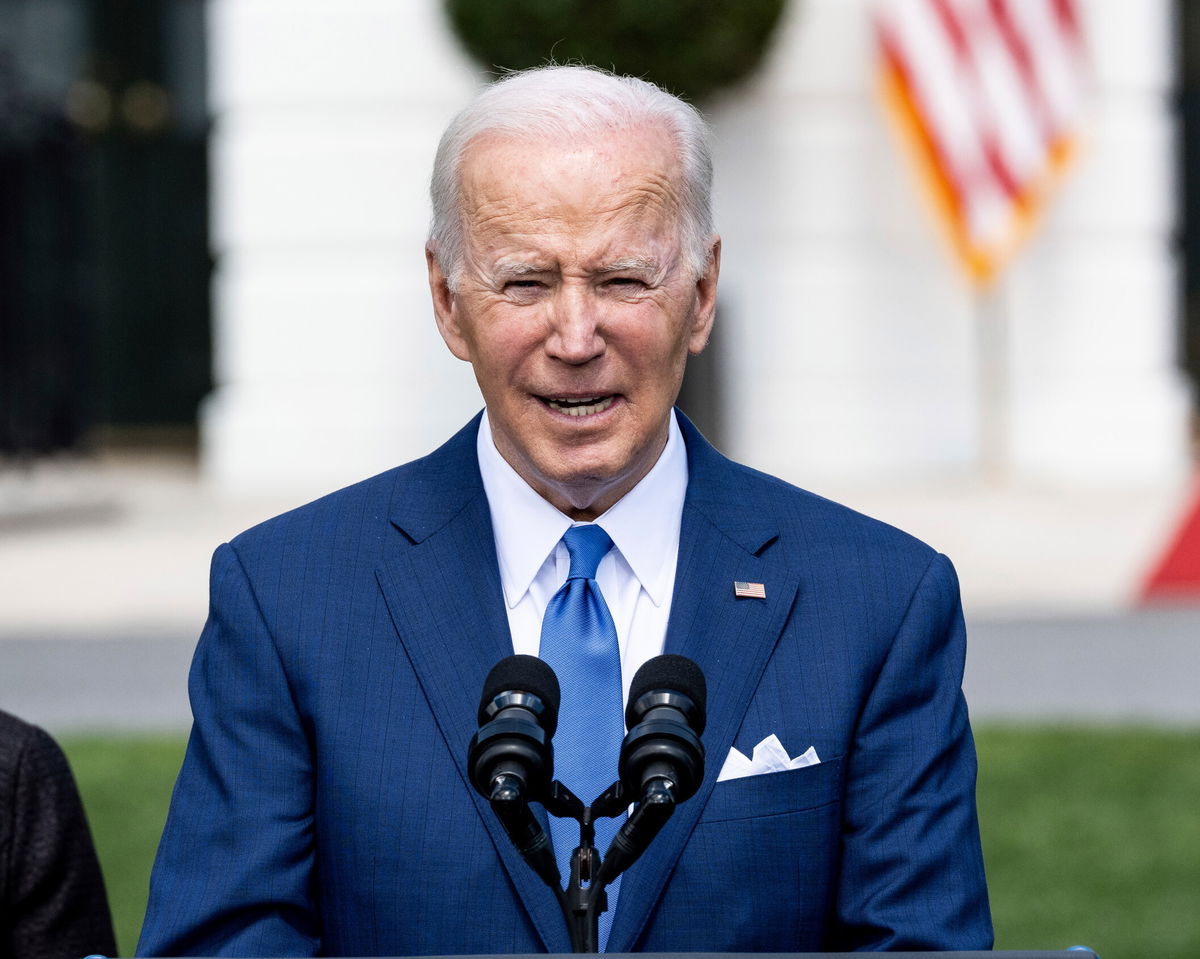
column 998, row 127
column 1018, row 49
column 943, row 169
column 960, row 40
column 1068, row 19
column 948, row 17
column 999, row 167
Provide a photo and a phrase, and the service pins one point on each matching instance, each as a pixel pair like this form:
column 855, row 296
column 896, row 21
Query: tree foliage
column 690, row 47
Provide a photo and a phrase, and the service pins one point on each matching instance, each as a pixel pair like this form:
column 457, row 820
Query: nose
column 575, row 335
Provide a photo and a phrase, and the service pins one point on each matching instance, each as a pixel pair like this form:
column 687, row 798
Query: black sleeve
column 52, row 899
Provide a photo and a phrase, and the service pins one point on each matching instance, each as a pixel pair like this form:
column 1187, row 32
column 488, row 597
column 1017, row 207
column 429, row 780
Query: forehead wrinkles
column 651, row 194
column 630, row 201
column 514, row 188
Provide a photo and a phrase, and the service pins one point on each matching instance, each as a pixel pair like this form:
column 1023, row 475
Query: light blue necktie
column 579, row 642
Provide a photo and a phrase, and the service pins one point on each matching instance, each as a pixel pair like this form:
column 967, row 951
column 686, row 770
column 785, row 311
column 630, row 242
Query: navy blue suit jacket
column 324, row 807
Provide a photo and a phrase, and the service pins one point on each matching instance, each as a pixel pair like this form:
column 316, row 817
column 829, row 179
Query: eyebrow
column 631, row 263
column 519, row 269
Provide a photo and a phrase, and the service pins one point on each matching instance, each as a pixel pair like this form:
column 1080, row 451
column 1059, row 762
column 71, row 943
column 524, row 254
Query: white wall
column 855, row 352
column 1096, row 399
column 858, row 354
column 328, row 363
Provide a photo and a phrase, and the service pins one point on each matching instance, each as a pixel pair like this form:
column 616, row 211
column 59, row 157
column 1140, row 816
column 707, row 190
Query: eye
column 624, row 283
column 524, row 289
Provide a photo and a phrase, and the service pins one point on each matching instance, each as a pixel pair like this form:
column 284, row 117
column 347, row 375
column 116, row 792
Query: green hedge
column 690, row 47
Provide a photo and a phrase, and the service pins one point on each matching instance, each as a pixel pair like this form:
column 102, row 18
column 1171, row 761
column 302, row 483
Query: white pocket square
column 769, row 757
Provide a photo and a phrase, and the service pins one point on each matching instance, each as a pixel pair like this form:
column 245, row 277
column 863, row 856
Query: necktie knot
column 586, row 545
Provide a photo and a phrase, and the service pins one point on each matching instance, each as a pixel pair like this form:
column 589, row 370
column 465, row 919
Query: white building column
column 328, row 365
column 851, row 344
column 849, row 337
column 1097, row 398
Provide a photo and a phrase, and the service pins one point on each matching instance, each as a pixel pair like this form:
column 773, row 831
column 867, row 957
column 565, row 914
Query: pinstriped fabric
column 579, row 641
column 324, row 806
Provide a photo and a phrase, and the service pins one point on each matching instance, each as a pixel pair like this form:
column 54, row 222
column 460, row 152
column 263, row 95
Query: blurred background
column 213, row 307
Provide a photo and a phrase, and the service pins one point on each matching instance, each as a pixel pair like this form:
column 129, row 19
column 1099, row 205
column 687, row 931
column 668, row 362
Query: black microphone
column 511, row 760
column 662, row 757
column 665, row 717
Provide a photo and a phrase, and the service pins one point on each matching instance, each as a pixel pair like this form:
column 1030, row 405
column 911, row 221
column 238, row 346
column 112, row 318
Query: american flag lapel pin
column 749, row 590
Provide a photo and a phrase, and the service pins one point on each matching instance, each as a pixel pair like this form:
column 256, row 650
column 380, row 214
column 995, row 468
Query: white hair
column 562, row 104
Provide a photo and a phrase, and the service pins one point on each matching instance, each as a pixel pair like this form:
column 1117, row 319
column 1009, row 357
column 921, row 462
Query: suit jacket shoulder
column 335, row 689
column 822, row 540
column 853, row 647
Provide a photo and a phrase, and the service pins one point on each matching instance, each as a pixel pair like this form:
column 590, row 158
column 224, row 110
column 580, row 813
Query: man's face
column 576, row 307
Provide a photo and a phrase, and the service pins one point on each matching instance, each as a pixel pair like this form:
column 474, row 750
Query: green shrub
column 690, row 47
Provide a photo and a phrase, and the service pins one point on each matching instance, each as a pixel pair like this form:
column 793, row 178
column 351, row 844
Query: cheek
column 658, row 347
column 502, row 342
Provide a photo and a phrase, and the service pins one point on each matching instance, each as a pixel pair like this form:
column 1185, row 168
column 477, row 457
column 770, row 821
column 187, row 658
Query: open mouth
column 581, row 406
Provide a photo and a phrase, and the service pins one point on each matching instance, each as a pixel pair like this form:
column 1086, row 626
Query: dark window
column 104, row 255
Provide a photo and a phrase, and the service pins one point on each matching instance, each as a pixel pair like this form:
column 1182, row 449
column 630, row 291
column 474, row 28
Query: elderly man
column 324, row 805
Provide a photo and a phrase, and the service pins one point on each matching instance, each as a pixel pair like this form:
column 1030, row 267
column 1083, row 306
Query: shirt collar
column 644, row 524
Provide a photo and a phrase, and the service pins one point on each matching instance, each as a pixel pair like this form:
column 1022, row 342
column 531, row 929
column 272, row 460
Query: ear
column 706, row 301
column 445, row 307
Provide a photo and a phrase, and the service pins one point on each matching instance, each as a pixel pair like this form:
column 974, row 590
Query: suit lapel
column 444, row 528
column 721, row 541
column 442, row 585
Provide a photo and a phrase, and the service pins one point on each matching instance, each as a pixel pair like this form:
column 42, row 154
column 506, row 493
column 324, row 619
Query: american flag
column 989, row 94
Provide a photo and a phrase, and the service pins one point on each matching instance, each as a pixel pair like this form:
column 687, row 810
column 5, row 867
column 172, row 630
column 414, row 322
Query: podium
column 1077, row 952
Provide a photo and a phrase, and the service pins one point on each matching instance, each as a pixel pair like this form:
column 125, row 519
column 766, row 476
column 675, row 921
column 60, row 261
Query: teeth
column 583, row 407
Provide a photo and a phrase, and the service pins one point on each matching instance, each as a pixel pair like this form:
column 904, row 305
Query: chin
column 585, row 465
column 590, row 482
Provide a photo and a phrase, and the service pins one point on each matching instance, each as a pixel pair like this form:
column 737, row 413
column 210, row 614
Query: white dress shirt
column 637, row 576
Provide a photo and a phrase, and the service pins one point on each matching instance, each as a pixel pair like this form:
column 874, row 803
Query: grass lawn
column 126, row 781
column 1091, row 835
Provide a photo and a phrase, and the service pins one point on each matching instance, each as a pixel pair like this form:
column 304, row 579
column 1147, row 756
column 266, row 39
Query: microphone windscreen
column 677, row 674
column 525, row 674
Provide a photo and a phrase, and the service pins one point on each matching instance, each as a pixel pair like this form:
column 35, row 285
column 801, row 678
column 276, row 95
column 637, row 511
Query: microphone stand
column 582, row 904
column 510, row 758
column 508, row 802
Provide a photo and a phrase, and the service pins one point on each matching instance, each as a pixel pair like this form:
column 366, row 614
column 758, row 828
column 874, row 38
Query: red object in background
column 1177, row 574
